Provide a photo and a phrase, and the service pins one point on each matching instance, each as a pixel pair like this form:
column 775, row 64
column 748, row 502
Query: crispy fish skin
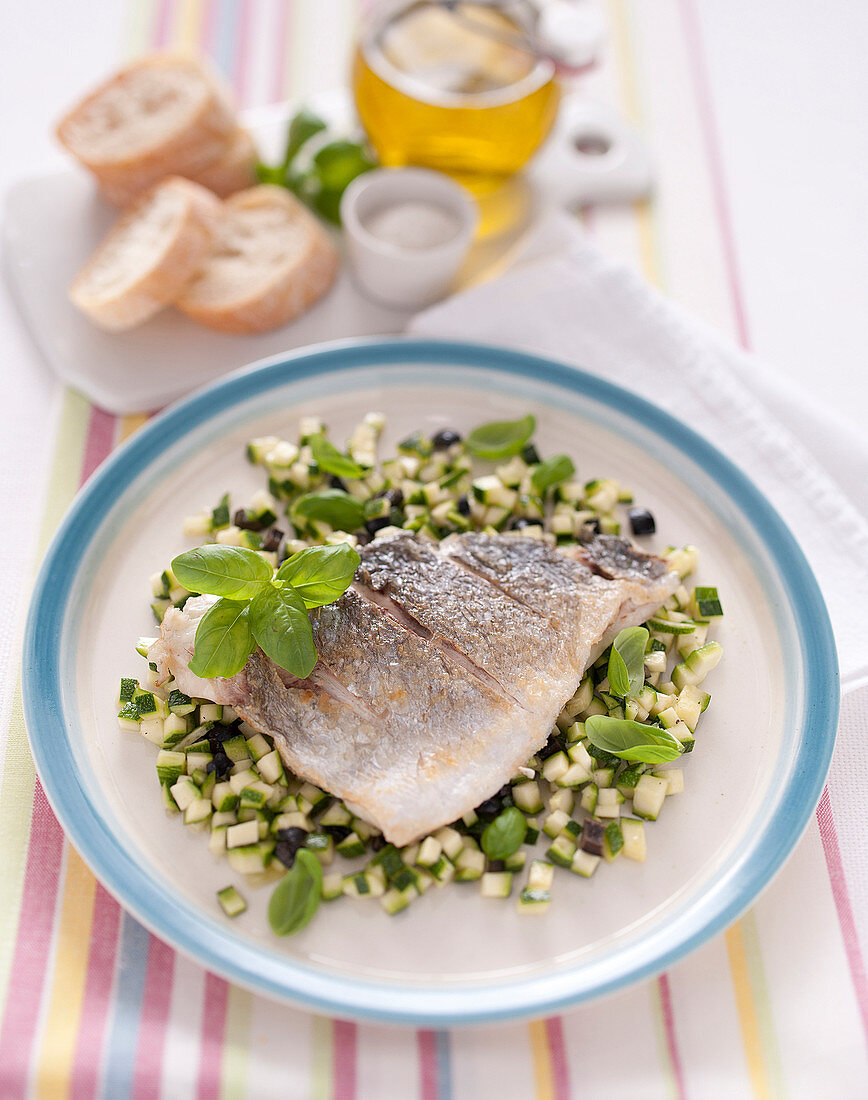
column 440, row 672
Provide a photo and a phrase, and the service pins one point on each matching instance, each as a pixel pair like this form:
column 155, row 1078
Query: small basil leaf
column 501, row 438
column 505, row 834
column 278, row 619
column 230, row 571
column 297, row 896
column 627, row 661
column 331, row 461
column 223, row 640
column 320, row 574
column 301, row 129
column 332, row 506
column 553, row 471
column 631, row 740
column 619, row 677
column 338, row 163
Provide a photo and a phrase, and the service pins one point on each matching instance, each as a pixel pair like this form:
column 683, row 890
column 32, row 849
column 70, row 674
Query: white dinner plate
column 762, row 751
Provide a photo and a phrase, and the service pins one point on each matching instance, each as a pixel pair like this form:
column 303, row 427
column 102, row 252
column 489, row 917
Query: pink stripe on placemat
column 97, row 996
column 696, row 59
column 428, row 1065
column 242, row 55
column 558, row 1053
column 281, row 39
column 216, row 997
column 669, row 1032
column 344, row 1066
column 156, row 999
column 100, row 440
column 161, row 28
column 832, row 851
column 33, row 946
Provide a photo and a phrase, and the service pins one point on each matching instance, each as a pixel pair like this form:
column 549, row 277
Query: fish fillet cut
column 441, row 670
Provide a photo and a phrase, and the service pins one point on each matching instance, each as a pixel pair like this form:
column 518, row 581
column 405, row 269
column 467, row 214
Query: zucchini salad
column 613, row 758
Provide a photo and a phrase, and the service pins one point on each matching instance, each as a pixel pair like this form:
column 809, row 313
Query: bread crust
column 199, row 136
column 279, row 295
column 163, row 276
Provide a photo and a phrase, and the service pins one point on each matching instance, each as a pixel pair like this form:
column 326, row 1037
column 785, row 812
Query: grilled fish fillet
column 440, row 671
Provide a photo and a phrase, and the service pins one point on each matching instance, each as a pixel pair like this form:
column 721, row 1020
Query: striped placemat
column 93, row 1005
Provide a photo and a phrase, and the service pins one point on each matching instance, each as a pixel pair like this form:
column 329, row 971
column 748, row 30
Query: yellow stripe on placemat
column 72, row 948
column 16, row 793
column 187, row 31
column 754, row 1009
column 321, row 1057
column 543, row 1076
column 236, row 1041
column 130, row 424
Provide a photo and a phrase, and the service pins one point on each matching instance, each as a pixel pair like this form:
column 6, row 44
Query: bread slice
column 165, row 114
column 271, row 260
column 150, row 255
column 234, row 171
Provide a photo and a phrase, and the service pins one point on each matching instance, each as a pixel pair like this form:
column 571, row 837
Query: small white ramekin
column 408, row 278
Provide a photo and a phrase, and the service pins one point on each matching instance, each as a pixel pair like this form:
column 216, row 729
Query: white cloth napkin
column 579, row 306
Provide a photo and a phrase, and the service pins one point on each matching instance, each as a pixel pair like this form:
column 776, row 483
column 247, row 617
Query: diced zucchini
column 257, row 746
column 496, row 884
column 351, row 846
column 555, row 823
column 242, row 834
column 589, row 798
column 128, row 718
column 649, row 796
column 184, row 792
column 609, row 800
column 533, row 901
column 393, row 901
column 332, row 886
column 613, row 841
column 251, row 859
column 540, row 875
column 527, row 797
column 562, row 799
column 633, row 832
column 224, row 799
column 217, row 838
column 170, row 766
column 561, row 851
column 674, row 779
column 337, row 815
column 236, row 748
column 555, row 766
column 198, row 811
column 451, row 841
column 443, row 871
column 584, row 863
column 244, row 778
column 231, row 902
column 429, row 851
column 271, row 767
column 469, row 865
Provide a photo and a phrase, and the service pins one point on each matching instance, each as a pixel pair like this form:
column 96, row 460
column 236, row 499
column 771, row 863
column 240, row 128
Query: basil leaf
column 501, row 438
column 338, row 163
column 553, row 471
column 301, row 129
column 320, row 574
column 505, row 834
column 627, row 662
column 278, row 619
column 297, row 896
column 223, row 640
column 331, row 461
column 632, row 740
column 332, row 506
column 230, row 571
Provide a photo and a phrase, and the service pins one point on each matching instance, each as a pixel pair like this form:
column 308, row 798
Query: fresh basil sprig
column 224, row 640
column 297, row 896
column 319, row 573
column 331, row 461
column 230, row 571
column 501, row 438
column 627, row 662
column 632, row 740
column 553, row 471
column 258, row 608
column 505, row 835
column 332, row 506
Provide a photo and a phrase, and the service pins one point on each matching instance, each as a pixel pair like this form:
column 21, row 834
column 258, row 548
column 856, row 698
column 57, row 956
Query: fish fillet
column 440, row 671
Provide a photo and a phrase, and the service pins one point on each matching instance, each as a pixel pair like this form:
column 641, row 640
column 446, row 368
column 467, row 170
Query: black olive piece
column 463, row 505
column 336, row 483
column 445, row 438
column 285, row 852
column 395, row 497
column 377, row 842
column 336, row 832
column 518, row 523
column 294, row 836
column 556, row 743
column 641, row 521
column 496, row 865
column 363, row 538
column 530, row 454
column 218, row 734
column 272, row 539
column 592, row 837
column 375, row 525
column 591, row 526
column 220, row 764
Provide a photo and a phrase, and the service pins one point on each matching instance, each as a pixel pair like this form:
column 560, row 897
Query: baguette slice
column 234, row 171
column 163, row 115
column 150, row 255
column 271, row 260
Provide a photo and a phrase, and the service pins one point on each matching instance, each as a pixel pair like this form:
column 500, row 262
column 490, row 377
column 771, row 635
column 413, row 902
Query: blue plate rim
column 247, row 963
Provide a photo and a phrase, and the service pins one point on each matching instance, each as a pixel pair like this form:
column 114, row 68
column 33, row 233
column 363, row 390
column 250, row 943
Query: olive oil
column 448, row 88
